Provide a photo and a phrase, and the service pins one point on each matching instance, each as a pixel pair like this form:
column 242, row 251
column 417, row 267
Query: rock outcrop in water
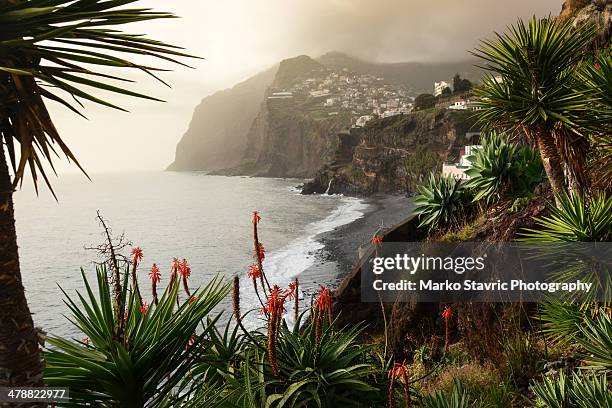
column 392, row 155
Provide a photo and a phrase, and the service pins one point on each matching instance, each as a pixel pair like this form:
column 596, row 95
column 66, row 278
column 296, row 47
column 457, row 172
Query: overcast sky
column 238, row 38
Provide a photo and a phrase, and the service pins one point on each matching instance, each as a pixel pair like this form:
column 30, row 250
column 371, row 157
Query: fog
column 238, row 38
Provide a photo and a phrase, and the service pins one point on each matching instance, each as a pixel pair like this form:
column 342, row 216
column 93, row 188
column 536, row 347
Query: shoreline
column 341, row 244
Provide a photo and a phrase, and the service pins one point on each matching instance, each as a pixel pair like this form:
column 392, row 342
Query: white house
column 457, row 104
column 439, row 87
column 362, row 120
column 457, row 170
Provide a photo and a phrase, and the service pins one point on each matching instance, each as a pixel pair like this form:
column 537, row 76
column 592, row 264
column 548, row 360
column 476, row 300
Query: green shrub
column 576, row 219
column 456, row 398
column 501, row 168
column 574, row 391
column 143, row 366
column 339, row 371
column 440, row 202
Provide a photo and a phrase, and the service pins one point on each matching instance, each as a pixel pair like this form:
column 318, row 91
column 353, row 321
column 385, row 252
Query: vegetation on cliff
column 395, row 154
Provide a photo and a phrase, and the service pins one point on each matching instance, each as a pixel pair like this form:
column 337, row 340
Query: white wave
column 287, row 263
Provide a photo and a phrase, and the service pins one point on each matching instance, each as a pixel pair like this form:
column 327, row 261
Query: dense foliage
column 144, row 363
column 575, row 219
column 501, row 168
column 440, row 201
column 538, row 94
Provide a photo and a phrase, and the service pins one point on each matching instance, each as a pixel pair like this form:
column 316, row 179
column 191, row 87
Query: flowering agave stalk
column 323, row 305
column 155, row 277
column 185, row 272
column 136, row 258
column 236, row 299
column 275, row 309
column 447, row 313
column 399, row 372
column 259, row 252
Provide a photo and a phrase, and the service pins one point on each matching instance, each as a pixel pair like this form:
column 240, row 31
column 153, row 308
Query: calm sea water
column 205, row 219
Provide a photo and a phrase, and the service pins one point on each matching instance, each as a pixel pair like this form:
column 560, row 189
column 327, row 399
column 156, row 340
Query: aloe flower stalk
column 399, row 371
column 274, row 308
column 447, row 313
column 174, row 268
column 136, row 258
column 254, row 273
column 236, row 299
column 376, row 242
column 259, row 252
column 155, row 277
column 296, row 305
column 185, row 272
column 323, row 304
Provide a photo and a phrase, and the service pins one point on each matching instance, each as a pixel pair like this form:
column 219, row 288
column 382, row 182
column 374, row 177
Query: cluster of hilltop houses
column 334, row 91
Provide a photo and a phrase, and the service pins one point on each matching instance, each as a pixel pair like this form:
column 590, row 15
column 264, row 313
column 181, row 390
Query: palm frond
column 60, row 45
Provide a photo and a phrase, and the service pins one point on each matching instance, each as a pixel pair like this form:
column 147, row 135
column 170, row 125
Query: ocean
column 205, row 219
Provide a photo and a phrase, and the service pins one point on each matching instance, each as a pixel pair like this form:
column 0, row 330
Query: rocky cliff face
column 392, row 155
column 595, row 12
column 290, row 137
column 217, row 135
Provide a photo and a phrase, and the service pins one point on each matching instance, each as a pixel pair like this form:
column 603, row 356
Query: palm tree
column 47, row 51
column 537, row 95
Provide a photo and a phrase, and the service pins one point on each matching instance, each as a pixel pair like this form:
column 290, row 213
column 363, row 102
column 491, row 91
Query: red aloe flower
column 447, row 313
column 155, row 279
column 324, row 300
column 276, row 301
column 290, row 293
column 174, row 269
column 254, row 272
column 401, row 372
column 323, row 303
column 155, row 275
column 256, row 217
column 184, row 269
column 137, row 255
column 144, row 308
column 260, row 254
column 377, row 240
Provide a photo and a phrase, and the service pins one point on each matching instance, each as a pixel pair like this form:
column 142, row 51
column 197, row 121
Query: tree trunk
column 552, row 163
column 20, row 361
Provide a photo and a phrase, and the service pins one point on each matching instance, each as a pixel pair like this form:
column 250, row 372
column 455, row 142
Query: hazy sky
column 238, row 38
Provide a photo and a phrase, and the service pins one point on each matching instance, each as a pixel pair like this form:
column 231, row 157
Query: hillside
column 417, row 76
column 228, row 128
column 392, row 155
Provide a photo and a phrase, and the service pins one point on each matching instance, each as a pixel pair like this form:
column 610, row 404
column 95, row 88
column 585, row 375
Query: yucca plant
column 560, row 321
column 457, row 397
column 573, row 391
column 53, row 50
column 441, row 201
column 597, row 78
column 501, row 168
column 491, row 167
column 538, row 63
column 147, row 365
column 335, row 372
column 574, row 219
column 596, row 338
